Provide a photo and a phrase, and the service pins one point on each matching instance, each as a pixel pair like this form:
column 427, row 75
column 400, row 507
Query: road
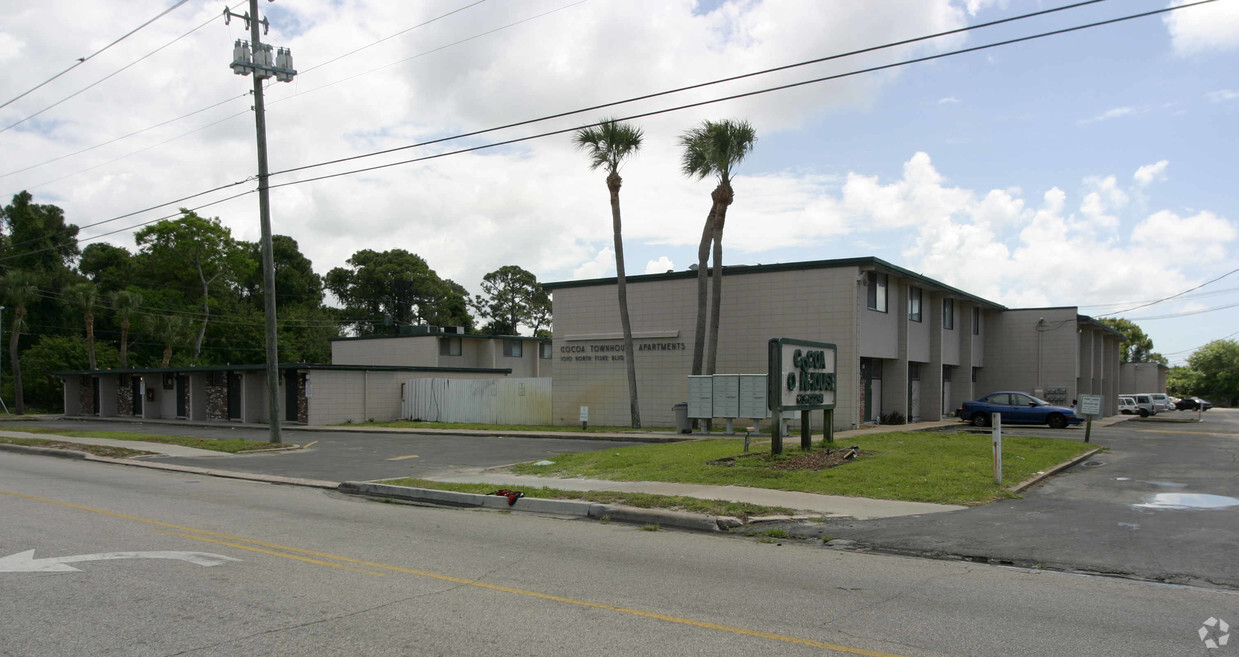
column 1135, row 510
column 310, row 572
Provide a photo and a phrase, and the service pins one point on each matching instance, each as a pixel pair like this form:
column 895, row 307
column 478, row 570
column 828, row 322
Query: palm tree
column 608, row 144
column 84, row 296
column 172, row 331
column 125, row 303
column 713, row 148
column 20, row 289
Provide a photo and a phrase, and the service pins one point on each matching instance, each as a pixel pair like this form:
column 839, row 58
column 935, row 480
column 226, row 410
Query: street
column 299, row 571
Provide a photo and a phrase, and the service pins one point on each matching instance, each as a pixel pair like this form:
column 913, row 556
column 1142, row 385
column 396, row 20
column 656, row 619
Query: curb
column 1036, row 479
column 615, row 512
column 42, row 451
column 481, row 433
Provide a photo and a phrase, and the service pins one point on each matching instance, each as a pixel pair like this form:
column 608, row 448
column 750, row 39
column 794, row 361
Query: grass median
column 474, row 426
column 642, row 500
column 227, row 445
column 945, row 468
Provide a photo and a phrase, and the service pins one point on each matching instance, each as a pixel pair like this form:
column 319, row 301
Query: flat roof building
column 906, row 343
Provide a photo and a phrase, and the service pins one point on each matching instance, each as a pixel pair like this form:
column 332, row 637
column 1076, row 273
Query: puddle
column 1122, row 478
column 1166, row 484
column 1187, row 501
column 1130, row 525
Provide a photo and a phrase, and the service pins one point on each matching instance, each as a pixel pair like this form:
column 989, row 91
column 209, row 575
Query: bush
column 894, row 417
column 54, row 353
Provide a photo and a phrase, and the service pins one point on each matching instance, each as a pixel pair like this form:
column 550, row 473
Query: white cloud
column 1105, row 197
column 662, row 264
column 10, row 46
column 1113, row 113
column 1222, row 96
column 600, row 266
column 1198, row 30
column 976, row 6
column 1149, row 173
column 949, row 100
column 1201, row 237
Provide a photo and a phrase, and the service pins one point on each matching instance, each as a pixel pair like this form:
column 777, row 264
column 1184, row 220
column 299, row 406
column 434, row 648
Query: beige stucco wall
column 1141, row 377
column 1011, row 352
column 407, row 351
column 808, row 304
column 338, row 396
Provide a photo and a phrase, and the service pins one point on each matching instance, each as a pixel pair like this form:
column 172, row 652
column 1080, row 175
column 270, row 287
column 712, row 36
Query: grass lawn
column 408, row 424
column 230, row 446
column 642, row 500
column 97, row 450
column 947, row 468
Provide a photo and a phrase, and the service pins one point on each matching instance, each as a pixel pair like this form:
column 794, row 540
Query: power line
column 1211, row 293
column 686, row 106
column 100, row 80
column 693, row 105
column 1173, row 296
column 83, row 60
column 1184, row 314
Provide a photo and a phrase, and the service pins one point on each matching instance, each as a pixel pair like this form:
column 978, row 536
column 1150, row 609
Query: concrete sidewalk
column 156, row 448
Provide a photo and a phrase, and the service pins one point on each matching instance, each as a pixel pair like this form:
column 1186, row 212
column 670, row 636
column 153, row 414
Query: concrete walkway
column 157, row 448
column 829, row 505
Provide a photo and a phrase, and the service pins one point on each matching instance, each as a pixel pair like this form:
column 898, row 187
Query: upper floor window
column 976, row 320
column 914, row 304
column 513, row 348
column 449, row 346
column 948, row 314
column 544, row 350
column 877, row 291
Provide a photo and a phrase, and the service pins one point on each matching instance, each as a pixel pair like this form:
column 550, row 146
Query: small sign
column 802, row 375
column 1090, row 404
column 585, row 414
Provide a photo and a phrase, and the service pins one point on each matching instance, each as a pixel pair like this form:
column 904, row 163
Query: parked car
column 1127, row 405
column 1161, row 401
column 1193, row 403
column 1017, row 408
column 1144, row 405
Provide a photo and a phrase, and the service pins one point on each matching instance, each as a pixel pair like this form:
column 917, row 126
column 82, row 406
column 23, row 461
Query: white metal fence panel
column 485, row 401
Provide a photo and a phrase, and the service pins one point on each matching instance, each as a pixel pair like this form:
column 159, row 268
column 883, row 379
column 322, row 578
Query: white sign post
column 584, row 418
column 996, row 420
column 1090, row 405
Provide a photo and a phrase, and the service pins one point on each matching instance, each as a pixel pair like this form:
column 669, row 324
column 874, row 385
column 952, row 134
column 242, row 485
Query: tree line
column 190, row 293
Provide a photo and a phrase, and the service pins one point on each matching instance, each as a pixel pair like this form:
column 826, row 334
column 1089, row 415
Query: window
column 974, row 374
column 976, row 320
column 449, row 346
column 948, row 314
column 946, row 373
column 914, row 371
column 513, row 348
column 914, row 304
column 544, row 351
column 877, row 291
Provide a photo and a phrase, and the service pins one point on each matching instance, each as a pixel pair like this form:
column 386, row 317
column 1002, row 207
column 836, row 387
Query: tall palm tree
column 125, row 303
column 608, row 144
column 714, row 147
column 20, row 288
column 85, row 295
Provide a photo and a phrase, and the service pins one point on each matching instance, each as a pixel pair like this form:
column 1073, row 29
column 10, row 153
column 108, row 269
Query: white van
column 1144, row 405
column 1127, row 405
column 1161, row 401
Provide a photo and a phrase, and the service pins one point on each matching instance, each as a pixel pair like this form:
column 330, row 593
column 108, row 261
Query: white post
column 997, row 422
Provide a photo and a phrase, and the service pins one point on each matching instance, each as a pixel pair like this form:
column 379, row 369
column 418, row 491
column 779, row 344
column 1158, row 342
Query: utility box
column 752, row 391
column 701, row 396
column 726, row 388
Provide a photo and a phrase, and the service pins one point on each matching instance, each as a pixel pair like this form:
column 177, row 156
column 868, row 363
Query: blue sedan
column 1017, row 408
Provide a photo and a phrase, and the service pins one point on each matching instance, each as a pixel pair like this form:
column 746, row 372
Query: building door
column 234, row 395
column 94, row 383
column 914, row 392
column 291, row 395
column 946, row 390
column 871, row 380
column 182, row 390
column 138, row 390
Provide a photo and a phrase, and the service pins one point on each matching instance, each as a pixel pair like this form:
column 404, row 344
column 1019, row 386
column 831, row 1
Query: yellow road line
column 401, row 458
column 1189, row 433
column 277, row 554
column 202, row 534
column 309, row 444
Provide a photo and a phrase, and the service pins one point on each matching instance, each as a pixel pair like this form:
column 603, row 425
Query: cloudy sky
column 1095, row 168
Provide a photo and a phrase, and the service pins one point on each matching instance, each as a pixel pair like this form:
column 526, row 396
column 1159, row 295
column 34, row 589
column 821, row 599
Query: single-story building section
column 1135, row 378
column 906, row 343
column 433, row 346
column 312, row 394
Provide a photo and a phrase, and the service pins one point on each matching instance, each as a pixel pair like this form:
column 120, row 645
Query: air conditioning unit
column 458, row 330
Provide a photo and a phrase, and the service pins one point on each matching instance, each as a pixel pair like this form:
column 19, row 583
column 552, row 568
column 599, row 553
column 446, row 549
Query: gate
column 485, row 401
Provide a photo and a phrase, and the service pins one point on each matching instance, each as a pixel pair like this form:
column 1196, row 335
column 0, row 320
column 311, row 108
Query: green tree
column 125, row 303
column 1135, row 347
column 296, row 283
column 20, row 289
column 172, row 331
column 451, row 306
column 57, row 353
column 713, row 148
column 608, row 144
column 205, row 245
column 510, row 297
column 382, row 291
column 1215, row 368
column 39, row 239
column 109, row 267
column 84, row 296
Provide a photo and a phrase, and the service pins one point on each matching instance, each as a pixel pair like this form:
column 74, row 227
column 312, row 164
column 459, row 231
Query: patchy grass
column 408, row 424
column 641, row 500
column 946, row 468
column 229, row 445
column 97, row 450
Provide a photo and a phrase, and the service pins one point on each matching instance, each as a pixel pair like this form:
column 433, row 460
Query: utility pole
column 255, row 57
